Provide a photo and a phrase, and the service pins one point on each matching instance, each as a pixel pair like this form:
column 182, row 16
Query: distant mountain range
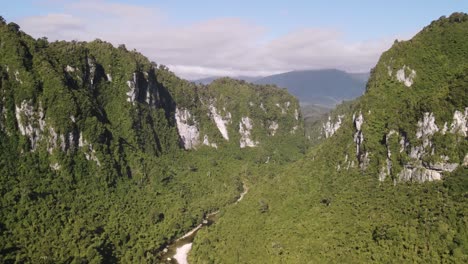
column 208, row 80
column 321, row 87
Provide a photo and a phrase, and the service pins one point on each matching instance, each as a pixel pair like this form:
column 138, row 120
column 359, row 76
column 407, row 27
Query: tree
column 13, row 27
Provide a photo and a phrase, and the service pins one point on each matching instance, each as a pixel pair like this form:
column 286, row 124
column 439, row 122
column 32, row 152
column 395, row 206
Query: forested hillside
column 93, row 145
column 107, row 157
column 389, row 182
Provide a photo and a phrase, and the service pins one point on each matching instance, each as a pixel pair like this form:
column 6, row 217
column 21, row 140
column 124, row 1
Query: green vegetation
column 322, row 209
column 92, row 169
column 91, row 165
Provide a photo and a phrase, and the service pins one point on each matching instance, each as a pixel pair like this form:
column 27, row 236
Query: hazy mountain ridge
column 326, row 87
column 322, row 87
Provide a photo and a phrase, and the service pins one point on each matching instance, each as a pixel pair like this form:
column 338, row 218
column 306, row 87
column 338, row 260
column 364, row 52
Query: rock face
column 245, row 128
column 330, row 128
column 403, row 77
column 419, row 170
column 426, row 128
column 187, row 127
column 101, row 107
column 263, row 115
column 221, row 122
column 411, row 124
column 423, row 159
column 460, row 122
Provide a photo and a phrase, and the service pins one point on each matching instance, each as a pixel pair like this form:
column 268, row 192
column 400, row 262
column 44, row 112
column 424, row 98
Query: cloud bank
column 215, row 47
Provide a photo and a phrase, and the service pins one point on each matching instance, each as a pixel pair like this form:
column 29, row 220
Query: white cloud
column 224, row 46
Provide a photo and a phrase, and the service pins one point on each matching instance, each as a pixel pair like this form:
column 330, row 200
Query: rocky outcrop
column 132, row 92
column 206, row 142
column 426, row 128
column 30, row 122
column 460, row 123
column 417, row 169
column 187, row 127
column 330, row 127
column 220, row 121
column 88, row 150
column 273, row 127
column 403, row 77
column 245, row 128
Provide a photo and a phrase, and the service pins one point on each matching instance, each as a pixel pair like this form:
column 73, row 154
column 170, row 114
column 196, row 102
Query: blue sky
column 264, row 31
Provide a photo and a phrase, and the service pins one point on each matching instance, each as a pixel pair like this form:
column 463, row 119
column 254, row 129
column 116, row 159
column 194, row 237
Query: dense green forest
column 93, row 139
column 106, row 157
column 370, row 191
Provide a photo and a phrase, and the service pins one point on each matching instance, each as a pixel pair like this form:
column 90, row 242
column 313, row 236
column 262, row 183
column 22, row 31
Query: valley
column 109, row 157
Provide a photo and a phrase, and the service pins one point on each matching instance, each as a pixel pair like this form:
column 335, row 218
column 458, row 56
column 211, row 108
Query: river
column 178, row 251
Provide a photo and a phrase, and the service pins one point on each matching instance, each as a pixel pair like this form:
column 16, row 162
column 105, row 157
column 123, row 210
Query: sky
column 203, row 38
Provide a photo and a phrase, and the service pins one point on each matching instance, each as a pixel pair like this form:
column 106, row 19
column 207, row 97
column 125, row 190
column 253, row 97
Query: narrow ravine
column 178, row 251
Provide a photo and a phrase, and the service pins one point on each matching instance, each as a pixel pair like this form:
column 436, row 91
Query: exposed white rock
column 69, row 69
column 91, row 155
column 148, row 96
column 52, row 140
column 251, row 103
column 358, row 121
column 330, row 127
column 55, row 166
column 358, row 136
column 460, row 123
column 17, row 78
column 426, row 128
column 443, row 166
column 294, row 129
column 207, row 142
column 465, row 160
column 92, row 70
column 444, row 129
column 132, row 92
column 283, row 111
column 81, row 141
column 389, row 71
column 419, row 174
column 63, row 143
column 382, row 174
column 389, row 153
column 71, row 141
column 417, row 152
column 245, row 127
column 418, row 171
column 296, row 114
column 262, row 107
column 287, row 104
column 221, row 122
column 30, row 123
column 403, row 143
column 364, row 161
column 109, row 77
column 187, row 127
column 406, row 80
column 89, row 152
column 273, row 127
